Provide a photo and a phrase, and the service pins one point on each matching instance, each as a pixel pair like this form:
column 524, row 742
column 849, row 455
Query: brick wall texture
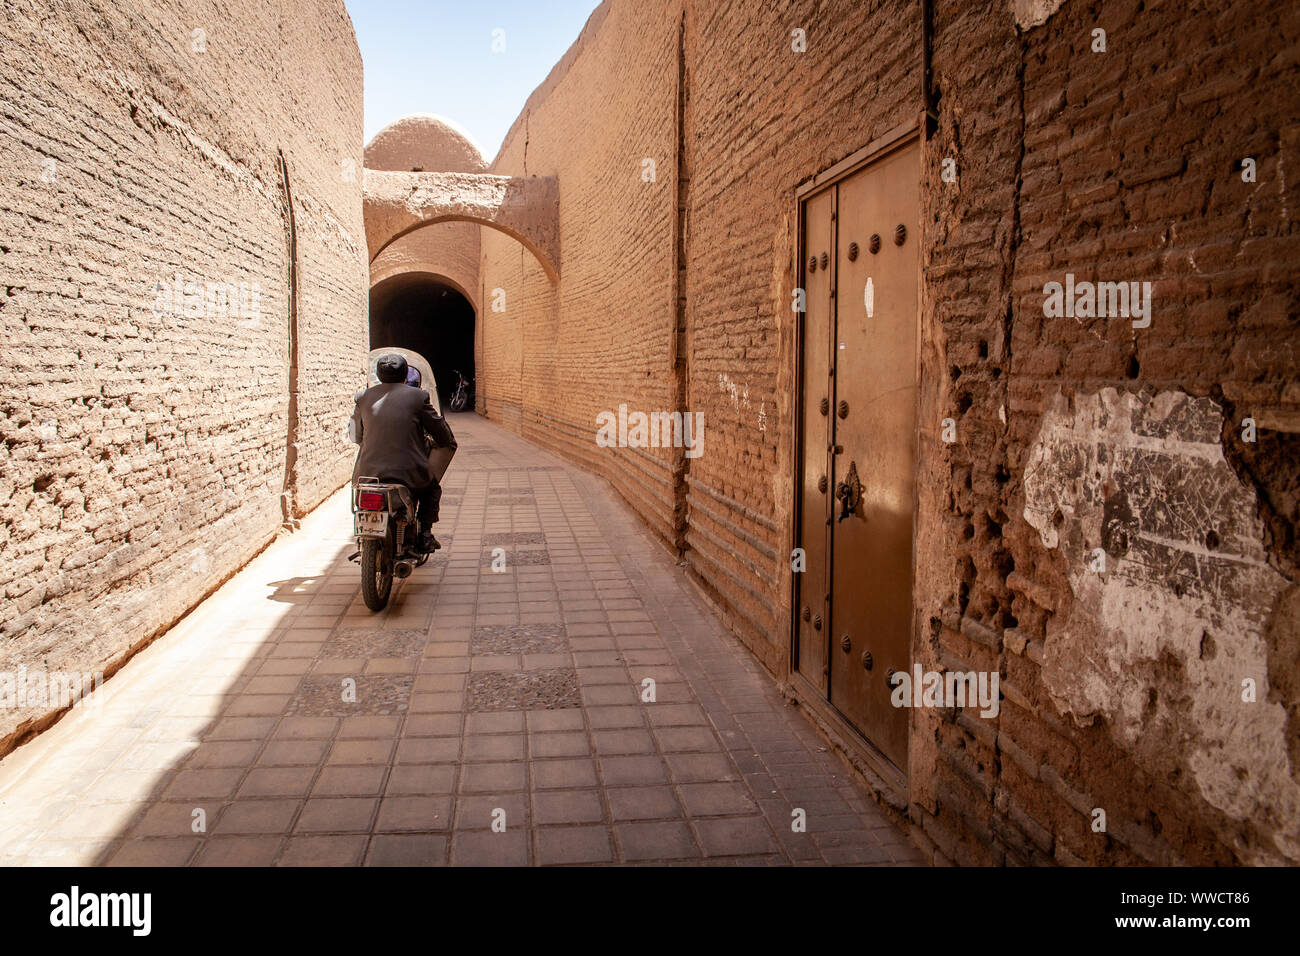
column 145, row 451
column 1122, row 165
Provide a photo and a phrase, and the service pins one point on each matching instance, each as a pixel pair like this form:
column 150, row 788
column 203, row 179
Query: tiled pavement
column 482, row 696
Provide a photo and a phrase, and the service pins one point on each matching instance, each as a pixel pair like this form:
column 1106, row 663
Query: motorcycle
column 460, row 396
column 386, row 527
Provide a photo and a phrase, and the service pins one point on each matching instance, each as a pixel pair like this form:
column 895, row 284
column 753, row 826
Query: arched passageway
column 426, row 313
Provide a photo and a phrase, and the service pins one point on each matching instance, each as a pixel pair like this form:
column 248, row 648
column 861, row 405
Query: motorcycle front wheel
column 376, row 572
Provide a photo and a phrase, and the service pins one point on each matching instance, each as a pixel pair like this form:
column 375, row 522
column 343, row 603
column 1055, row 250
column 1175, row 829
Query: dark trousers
column 426, row 505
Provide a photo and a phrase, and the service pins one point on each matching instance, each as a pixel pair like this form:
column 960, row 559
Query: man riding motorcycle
column 396, row 427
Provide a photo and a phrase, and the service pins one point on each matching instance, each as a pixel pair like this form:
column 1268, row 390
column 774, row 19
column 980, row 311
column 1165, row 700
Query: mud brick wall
column 518, row 302
column 145, row 451
column 758, row 119
column 961, row 558
column 763, row 118
column 1075, row 437
column 558, row 356
column 1122, row 690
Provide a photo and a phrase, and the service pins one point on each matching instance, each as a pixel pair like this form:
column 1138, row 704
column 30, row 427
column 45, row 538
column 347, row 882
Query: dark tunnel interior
column 421, row 311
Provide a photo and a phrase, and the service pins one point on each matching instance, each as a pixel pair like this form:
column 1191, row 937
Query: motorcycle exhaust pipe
column 403, row 569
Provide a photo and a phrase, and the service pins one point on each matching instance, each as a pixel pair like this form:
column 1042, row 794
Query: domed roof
column 423, row 142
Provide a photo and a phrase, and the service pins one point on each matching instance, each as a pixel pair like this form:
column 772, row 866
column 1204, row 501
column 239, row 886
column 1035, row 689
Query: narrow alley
column 511, row 696
column 879, row 441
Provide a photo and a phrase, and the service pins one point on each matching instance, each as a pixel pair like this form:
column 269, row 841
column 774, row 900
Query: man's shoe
column 427, row 543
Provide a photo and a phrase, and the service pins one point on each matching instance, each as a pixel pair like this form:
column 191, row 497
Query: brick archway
column 525, row 208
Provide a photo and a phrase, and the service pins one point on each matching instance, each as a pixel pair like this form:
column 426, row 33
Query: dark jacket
column 396, row 427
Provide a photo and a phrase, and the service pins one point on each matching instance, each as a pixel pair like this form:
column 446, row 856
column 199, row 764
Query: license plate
column 371, row 524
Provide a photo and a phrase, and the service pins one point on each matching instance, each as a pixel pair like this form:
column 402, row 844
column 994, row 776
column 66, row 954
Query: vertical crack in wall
column 927, row 68
column 1270, row 465
column 289, row 490
column 680, row 345
column 1013, row 245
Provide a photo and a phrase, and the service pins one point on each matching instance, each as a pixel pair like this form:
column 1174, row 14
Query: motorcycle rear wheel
column 376, row 572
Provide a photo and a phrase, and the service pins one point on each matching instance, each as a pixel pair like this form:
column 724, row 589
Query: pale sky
column 435, row 56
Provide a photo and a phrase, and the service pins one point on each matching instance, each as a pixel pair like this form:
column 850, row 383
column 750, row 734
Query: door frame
column 889, row 780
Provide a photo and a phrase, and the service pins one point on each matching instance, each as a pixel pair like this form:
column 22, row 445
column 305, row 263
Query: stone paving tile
column 509, row 689
column 482, row 698
column 480, row 848
column 519, row 639
column 323, row 851
column 518, row 556
column 419, row 849
column 327, row 696
column 568, row 806
column 573, row 845
column 643, row 803
column 657, row 841
column 363, row 642
column 239, row 851
column 514, row 537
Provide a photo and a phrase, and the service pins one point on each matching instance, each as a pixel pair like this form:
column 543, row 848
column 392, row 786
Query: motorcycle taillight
column 370, row 501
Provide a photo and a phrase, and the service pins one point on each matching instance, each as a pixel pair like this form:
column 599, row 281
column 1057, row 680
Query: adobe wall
column 145, row 447
column 602, row 112
column 1122, row 689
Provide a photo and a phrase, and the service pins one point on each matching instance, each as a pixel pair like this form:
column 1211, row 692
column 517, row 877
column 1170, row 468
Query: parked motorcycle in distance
column 459, row 396
column 385, row 523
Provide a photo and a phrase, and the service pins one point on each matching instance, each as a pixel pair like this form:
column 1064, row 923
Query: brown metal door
column 813, row 585
column 874, row 420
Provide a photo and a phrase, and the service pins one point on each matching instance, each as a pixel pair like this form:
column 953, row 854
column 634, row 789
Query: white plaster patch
column 1158, row 645
column 739, row 394
column 1032, row 13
